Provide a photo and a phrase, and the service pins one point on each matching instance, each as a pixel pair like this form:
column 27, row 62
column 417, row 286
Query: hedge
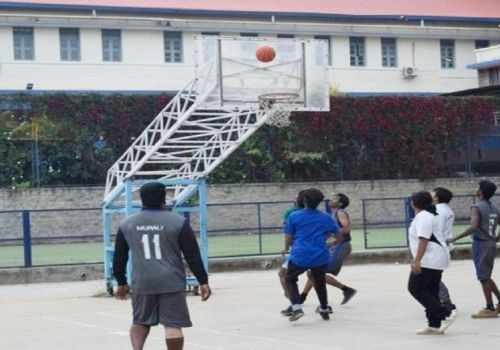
column 80, row 136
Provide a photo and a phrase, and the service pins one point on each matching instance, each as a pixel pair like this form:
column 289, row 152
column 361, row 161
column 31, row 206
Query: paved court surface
column 243, row 313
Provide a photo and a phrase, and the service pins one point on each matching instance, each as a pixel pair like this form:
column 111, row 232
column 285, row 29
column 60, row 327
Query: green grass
column 218, row 246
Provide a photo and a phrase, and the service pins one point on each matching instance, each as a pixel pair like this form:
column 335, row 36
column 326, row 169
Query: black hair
column 423, row 200
column 300, row 199
column 487, row 188
column 153, row 195
column 343, row 199
column 443, row 195
column 312, row 197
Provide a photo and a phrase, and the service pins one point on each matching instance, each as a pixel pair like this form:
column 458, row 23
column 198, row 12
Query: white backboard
column 230, row 75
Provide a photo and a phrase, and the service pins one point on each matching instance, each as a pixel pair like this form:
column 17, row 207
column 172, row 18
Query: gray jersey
column 488, row 219
column 153, row 239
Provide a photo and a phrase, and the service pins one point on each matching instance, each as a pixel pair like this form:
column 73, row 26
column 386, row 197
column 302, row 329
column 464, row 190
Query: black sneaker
column 325, row 313
column 296, row 314
column 348, row 294
column 303, row 297
column 329, row 308
column 287, row 312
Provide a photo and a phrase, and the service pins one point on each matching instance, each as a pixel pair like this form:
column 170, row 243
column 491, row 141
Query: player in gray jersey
column 157, row 240
column 484, row 220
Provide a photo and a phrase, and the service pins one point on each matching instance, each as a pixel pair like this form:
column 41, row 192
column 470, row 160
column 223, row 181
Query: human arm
column 288, row 244
column 474, row 225
column 289, row 232
column 191, row 252
column 416, row 264
column 120, row 259
column 344, row 227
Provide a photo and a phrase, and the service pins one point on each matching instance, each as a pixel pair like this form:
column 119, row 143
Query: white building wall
column 143, row 68
column 423, row 54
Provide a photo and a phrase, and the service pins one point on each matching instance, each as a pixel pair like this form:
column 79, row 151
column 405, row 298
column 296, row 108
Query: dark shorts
column 168, row 309
column 340, row 252
column 483, row 253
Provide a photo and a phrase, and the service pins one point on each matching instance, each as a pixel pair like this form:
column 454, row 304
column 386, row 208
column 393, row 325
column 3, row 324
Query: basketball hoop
column 277, row 106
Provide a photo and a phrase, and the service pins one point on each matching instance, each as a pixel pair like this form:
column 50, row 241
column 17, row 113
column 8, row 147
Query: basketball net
column 278, row 109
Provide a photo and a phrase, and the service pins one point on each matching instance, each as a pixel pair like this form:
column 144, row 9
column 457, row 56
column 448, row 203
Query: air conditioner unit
column 409, row 72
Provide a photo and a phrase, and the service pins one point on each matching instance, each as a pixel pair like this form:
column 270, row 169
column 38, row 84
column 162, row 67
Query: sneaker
column 451, row 317
column 287, row 312
column 348, row 294
column 296, row 314
column 446, row 323
column 429, row 331
column 329, row 308
column 485, row 313
column 303, row 297
column 324, row 313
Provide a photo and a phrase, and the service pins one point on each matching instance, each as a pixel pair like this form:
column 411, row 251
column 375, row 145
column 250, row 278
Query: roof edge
column 177, row 11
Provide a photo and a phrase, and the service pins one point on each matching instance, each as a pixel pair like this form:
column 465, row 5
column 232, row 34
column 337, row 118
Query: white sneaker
column 430, row 331
column 452, row 316
column 448, row 321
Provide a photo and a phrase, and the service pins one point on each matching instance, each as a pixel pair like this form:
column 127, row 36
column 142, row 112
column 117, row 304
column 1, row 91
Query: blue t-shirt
column 310, row 228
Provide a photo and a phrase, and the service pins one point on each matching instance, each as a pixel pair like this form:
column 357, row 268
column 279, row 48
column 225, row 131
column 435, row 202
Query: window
column 389, row 52
column 70, row 44
column 481, row 44
column 447, row 53
column 493, row 76
column 210, row 33
column 111, row 45
column 357, row 51
column 249, row 35
column 24, row 47
column 173, row 46
column 327, row 38
column 285, row 36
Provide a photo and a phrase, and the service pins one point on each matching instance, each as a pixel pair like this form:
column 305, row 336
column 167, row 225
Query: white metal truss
column 184, row 142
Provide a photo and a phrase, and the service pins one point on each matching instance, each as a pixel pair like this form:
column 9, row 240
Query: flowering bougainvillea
column 359, row 138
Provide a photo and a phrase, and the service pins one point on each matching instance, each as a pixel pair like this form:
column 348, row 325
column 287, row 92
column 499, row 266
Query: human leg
column 282, row 275
column 174, row 338
column 487, row 291
column 424, row 288
column 307, row 287
column 145, row 315
column 292, row 276
column 318, row 274
column 138, row 335
column 484, row 257
column 444, row 297
column 339, row 254
column 495, row 291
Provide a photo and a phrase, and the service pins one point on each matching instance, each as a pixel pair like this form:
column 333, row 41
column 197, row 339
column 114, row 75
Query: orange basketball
column 265, row 53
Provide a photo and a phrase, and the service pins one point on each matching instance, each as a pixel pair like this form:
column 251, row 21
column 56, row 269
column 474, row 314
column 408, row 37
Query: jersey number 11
column 147, row 248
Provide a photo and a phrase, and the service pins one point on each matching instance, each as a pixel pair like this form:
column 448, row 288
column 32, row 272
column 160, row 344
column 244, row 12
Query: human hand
column 332, row 241
column 205, row 292
column 450, row 241
column 284, row 252
column 122, row 292
column 416, row 267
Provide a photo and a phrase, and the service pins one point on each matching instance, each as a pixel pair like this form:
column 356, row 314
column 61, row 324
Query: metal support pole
column 202, row 193
column 259, row 221
column 27, row 238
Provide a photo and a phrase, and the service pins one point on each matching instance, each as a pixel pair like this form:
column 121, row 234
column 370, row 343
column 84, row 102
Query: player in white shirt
column 441, row 198
column 430, row 257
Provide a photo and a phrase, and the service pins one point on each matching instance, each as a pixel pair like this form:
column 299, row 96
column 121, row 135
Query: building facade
column 409, row 47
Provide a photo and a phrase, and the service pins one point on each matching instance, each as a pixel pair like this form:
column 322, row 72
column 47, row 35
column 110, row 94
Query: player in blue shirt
column 306, row 232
